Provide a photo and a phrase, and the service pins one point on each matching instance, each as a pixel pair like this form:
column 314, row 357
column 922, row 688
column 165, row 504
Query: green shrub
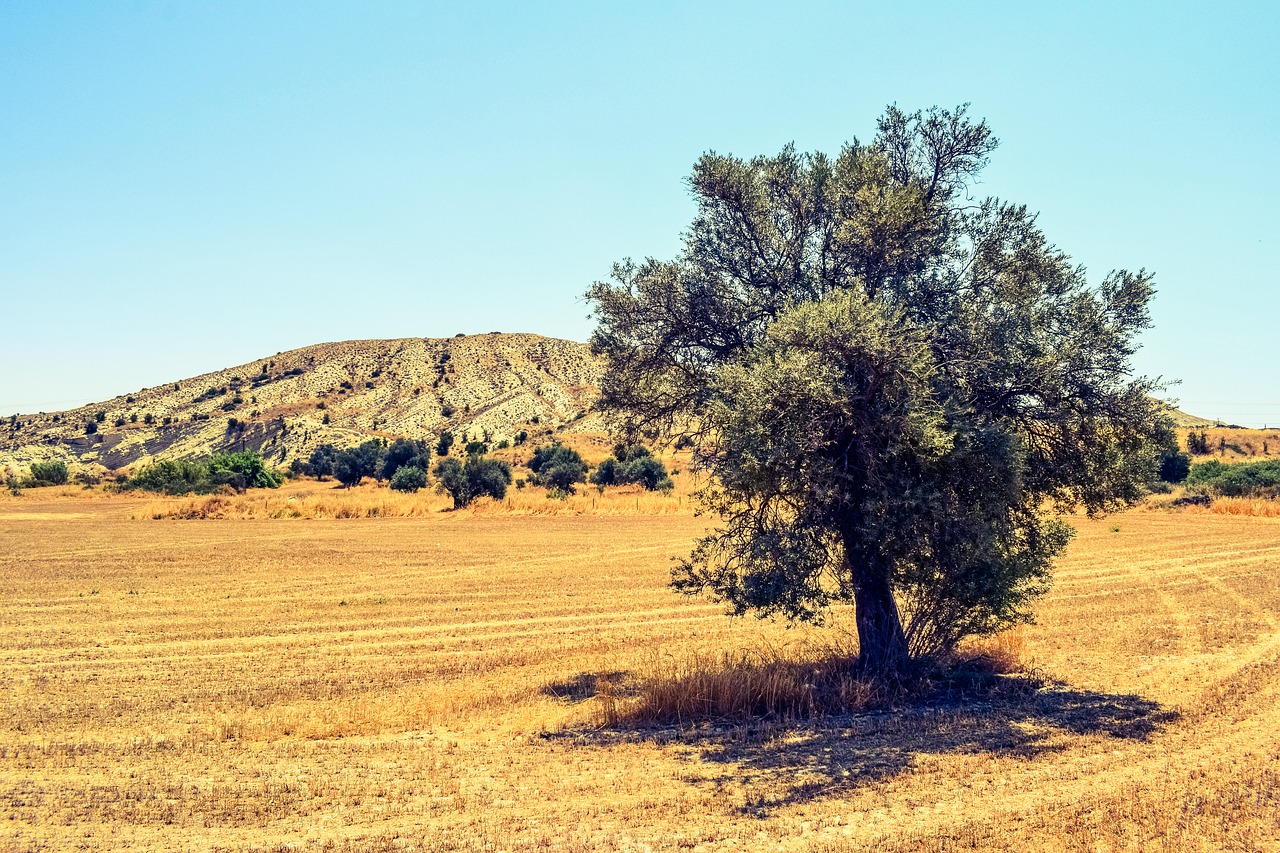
column 52, row 473
column 557, row 467
column 173, row 477
column 249, row 464
column 1247, row 479
column 90, row 427
column 477, row 478
column 633, row 464
column 1174, row 466
column 405, row 452
column 238, row 471
column 445, row 442
column 409, row 478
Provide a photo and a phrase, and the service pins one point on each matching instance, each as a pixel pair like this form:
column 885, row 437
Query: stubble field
column 437, row 682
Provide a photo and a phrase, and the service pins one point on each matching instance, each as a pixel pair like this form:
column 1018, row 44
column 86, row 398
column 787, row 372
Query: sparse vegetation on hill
column 340, row 394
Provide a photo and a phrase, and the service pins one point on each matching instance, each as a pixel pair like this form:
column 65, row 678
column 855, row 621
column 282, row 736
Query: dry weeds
column 437, row 683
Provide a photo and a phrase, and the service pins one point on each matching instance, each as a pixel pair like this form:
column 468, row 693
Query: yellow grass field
column 437, row 682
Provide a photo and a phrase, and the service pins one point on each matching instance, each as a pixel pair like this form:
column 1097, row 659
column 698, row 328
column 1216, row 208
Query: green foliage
column 1247, row 479
column 236, row 471
column 1198, row 443
column 353, row 465
column 405, row 452
column 477, row 448
column 632, row 464
column 557, row 467
column 445, row 442
column 886, row 382
column 521, row 437
column 1174, row 466
column 173, row 477
column 320, row 463
column 90, row 427
column 53, row 473
column 409, row 478
column 100, row 416
column 478, row 477
column 247, row 464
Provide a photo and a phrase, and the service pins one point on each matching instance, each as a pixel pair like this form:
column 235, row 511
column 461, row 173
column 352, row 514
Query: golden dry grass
column 436, row 683
column 1235, row 445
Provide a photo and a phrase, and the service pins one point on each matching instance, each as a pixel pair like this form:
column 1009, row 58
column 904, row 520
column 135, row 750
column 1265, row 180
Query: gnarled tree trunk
column 882, row 645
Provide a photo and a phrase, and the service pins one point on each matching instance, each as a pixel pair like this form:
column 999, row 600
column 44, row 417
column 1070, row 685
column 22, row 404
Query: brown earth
column 436, row 683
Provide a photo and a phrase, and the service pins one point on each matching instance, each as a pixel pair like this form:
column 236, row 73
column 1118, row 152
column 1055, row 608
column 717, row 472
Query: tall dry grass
column 1250, row 507
column 796, row 682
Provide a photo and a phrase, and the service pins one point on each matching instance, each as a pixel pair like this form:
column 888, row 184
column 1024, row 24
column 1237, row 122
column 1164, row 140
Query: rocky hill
column 343, row 393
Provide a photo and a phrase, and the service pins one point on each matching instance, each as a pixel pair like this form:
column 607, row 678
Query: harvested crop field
column 436, row 683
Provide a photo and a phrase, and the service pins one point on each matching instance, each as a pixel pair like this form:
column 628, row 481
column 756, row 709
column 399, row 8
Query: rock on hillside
column 342, row 393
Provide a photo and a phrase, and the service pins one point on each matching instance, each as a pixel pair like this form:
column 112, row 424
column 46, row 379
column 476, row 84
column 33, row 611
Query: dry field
column 1235, row 445
column 436, row 682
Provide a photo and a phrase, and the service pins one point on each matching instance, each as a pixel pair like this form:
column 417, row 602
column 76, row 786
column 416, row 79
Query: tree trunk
column 882, row 646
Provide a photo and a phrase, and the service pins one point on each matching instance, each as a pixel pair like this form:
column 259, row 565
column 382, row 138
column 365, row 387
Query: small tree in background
column 320, row 463
column 478, row 477
column 558, row 467
column 403, row 452
column 445, row 442
column 632, row 464
column 409, row 478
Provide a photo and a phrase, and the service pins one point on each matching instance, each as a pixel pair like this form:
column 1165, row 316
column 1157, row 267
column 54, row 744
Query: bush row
column 1245, row 479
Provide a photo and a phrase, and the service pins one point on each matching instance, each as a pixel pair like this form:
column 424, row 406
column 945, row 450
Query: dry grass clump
column 1250, row 507
column 1253, row 507
column 355, row 503
column 795, row 683
column 1002, row 654
column 767, row 684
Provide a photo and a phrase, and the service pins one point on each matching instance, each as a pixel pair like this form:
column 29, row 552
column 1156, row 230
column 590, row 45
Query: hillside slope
column 412, row 387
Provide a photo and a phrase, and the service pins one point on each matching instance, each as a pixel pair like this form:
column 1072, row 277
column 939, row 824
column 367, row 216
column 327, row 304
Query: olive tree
column 891, row 389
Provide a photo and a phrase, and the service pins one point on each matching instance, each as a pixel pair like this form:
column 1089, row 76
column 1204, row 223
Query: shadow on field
column 795, row 764
column 786, row 762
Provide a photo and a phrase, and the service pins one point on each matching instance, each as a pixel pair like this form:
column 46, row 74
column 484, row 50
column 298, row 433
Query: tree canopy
column 891, row 385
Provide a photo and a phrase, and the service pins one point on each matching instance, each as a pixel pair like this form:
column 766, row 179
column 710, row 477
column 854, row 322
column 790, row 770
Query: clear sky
column 185, row 186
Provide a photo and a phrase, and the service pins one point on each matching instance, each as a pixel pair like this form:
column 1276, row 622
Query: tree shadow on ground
column 791, row 762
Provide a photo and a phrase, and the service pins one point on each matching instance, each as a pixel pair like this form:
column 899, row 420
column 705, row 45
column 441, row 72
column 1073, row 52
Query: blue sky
column 187, row 186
